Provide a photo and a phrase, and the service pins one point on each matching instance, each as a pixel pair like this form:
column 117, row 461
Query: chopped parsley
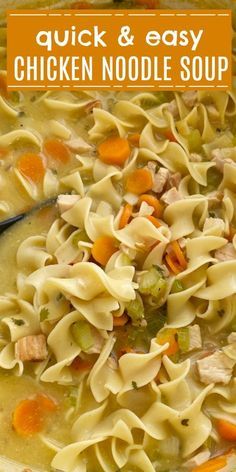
column 185, row 422
column 221, row 313
column 18, row 322
column 134, row 385
column 44, row 314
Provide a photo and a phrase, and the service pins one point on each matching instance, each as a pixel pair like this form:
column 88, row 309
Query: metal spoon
column 5, row 224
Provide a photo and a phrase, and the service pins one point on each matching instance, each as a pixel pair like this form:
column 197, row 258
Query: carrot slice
column 134, row 139
column 179, row 254
column 31, row 166
column 57, row 150
column 81, row 365
column 139, row 181
column 125, row 350
column 27, row 417
column 3, row 152
column 125, row 215
column 174, row 267
column 154, row 221
column 120, row 320
column 154, row 202
column 45, row 402
column 170, row 337
column 103, row 248
column 114, row 151
column 226, row 430
column 213, row 465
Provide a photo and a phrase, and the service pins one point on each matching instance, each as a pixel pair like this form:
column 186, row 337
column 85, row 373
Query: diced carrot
column 213, row 465
column 81, row 6
column 125, row 215
column 3, row 86
column 3, row 152
column 27, row 417
column 57, row 150
column 139, row 181
column 45, row 402
column 154, row 202
column 125, row 350
column 154, row 221
column 134, row 139
column 173, row 265
column 120, row 320
column 168, row 336
column 81, row 365
column 114, row 151
column 179, row 254
column 226, row 430
column 31, row 166
column 169, row 135
column 103, row 248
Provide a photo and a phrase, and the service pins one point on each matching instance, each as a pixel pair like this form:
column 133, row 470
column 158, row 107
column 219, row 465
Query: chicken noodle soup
column 118, row 319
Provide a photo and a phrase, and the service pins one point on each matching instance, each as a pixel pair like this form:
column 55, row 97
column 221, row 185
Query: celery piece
column 135, row 309
column 177, row 286
column 194, row 140
column 82, row 334
column 79, row 236
column 152, row 283
column 44, row 314
column 183, row 339
column 214, row 178
column 155, row 321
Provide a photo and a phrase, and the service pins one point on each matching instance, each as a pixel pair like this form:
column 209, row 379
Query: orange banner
column 119, row 49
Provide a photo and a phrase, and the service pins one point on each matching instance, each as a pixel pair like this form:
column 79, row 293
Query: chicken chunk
column 194, row 157
column 213, row 113
column 222, row 157
column 190, row 98
column 232, row 338
column 214, row 198
column 216, row 368
column 226, row 253
column 31, row 348
column 160, row 180
column 171, row 196
column 195, row 339
column 173, row 108
column 174, row 179
column 78, row 145
column 198, row 459
column 66, row 202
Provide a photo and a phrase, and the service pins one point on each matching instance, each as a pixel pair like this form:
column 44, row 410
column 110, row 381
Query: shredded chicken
column 190, row 98
column 195, row 339
column 91, row 105
column 112, row 363
column 214, row 226
column 160, row 180
column 194, row 157
column 31, row 348
column 226, row 253
column 232, row 338
column 78, row 145
column 66, row 202
column 173, row 108
column 198, row 459
column 216, row 368
column 174, row 179
column 171, row 196
column 222, row 157
column 214, row 198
